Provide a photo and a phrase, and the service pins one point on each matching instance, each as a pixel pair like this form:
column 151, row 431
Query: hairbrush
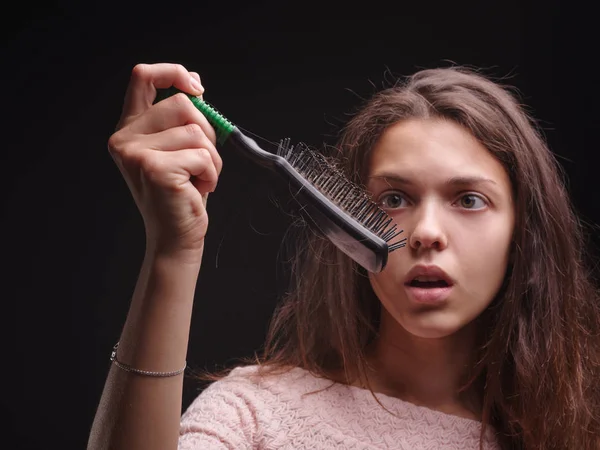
column 341, row 210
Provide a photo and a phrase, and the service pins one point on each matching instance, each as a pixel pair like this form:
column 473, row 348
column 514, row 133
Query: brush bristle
column 348, row 196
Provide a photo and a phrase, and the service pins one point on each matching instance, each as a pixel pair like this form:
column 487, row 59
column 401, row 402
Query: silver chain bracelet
column 128, row 368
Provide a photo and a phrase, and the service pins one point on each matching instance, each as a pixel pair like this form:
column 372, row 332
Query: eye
column 392, row 200
column 469, row 201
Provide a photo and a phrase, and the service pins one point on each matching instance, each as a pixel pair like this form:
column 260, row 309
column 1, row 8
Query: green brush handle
column 228, row 132
column 222, row 126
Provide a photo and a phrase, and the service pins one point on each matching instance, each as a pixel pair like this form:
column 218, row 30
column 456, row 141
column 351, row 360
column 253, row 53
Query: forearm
column 136, row 411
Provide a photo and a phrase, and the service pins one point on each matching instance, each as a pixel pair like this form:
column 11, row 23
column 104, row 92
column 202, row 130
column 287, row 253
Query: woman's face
column 453, row 200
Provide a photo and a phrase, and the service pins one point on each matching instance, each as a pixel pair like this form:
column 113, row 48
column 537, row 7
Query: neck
column 426, row 372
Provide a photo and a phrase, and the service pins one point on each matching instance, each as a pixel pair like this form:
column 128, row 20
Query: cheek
column 391, row 279
column 388, row 281
column 483, row 258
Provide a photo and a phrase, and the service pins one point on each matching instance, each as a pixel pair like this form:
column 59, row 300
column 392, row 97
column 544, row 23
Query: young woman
column 481, row 333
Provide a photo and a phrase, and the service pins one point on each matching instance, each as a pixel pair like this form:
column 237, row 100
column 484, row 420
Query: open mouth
column 428, row 281
column 428, row 284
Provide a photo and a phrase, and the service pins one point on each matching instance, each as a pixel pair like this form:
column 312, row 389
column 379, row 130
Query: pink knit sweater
column 245, row 412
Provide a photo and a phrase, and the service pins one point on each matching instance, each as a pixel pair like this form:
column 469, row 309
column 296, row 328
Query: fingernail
column 196, row 85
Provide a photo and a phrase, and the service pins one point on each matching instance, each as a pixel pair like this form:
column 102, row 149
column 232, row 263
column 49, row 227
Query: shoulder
column 255, row 382
column 254, row 390
column 246, row 405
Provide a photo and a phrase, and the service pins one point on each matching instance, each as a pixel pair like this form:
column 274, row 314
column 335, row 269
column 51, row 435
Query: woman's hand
column 166, row 153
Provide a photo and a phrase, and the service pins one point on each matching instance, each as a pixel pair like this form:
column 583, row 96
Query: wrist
column 173, row 254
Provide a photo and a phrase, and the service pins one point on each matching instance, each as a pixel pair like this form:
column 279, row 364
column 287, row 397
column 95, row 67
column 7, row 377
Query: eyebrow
column 454, row 181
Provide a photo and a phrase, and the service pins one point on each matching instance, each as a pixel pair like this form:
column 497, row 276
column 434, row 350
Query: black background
column 72, row 239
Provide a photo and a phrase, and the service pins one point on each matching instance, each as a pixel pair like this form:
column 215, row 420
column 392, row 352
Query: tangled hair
column 538, row 365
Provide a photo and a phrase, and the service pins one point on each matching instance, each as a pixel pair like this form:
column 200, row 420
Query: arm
column 138, row 411
column 166, row 153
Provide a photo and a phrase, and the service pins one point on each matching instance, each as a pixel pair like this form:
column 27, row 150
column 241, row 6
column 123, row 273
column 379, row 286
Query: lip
column 428, row 295
column 430, row 271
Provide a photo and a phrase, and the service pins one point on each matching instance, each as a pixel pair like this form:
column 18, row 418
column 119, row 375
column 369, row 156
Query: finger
column 180, row 166
column 171, row 112
column 198, row 163
column 182, row 137
column 197, row 77
column 146, row 78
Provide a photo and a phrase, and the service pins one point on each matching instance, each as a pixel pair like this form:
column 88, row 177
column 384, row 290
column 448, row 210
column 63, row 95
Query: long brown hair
column 539, row 360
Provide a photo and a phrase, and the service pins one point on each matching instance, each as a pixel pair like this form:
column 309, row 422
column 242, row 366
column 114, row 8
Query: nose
column 428, row 231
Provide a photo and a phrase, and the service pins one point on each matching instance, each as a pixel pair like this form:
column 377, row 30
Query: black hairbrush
column 340, row 209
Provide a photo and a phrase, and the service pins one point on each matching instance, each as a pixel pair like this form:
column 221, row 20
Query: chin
column 432, row 324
